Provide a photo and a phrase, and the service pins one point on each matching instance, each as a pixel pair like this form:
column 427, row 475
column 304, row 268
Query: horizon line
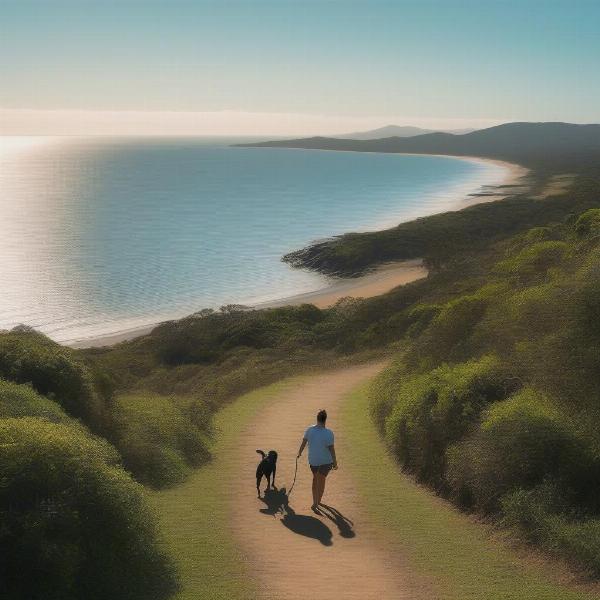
column 222, row 123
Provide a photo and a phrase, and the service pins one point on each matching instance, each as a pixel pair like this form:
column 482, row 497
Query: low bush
column 434, row 410
column 540, row 515
column 537, row 234
column 531, row 308
column 520, row 443
column 586, row 308
column 157, row 438
column 588, row 224
column 534, row 261
column 525, row 315
column 74, row 524
column 560, row 343
column 53, row 371
column 448, row 337
column 23, row 401
column 384, row 391
column 419, row 317
column 207, row 337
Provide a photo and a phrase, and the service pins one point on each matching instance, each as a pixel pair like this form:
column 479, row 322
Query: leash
column 294, row 482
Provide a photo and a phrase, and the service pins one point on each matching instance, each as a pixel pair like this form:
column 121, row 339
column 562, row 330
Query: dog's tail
column 261, row 453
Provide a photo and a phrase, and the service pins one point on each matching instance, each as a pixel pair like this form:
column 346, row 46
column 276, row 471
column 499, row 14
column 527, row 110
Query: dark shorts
column 323, row 469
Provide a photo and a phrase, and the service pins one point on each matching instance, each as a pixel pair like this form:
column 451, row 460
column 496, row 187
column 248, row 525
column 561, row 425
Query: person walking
column 321, row 456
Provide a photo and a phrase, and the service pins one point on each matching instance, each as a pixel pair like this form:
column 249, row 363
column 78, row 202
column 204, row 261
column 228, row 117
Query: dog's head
column 272, row 456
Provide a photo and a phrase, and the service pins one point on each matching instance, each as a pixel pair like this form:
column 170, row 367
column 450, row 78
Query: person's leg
column 321, row 487
column 324, row 471
column 315, row 489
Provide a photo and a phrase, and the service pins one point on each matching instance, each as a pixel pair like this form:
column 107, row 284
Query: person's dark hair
column 322, row 416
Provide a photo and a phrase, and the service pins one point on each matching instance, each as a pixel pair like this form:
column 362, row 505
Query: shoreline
column 515, row 171
column 380, row 281
column 513, row 180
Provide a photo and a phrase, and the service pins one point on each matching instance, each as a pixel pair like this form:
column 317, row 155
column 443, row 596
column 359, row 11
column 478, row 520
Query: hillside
column 544, row 146
column 395, row 131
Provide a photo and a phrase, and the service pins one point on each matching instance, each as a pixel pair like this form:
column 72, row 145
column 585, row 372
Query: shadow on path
column 344, row 524
column 276, row 501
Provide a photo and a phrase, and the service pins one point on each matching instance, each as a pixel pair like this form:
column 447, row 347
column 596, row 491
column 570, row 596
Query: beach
column 380, row 281
column 510, row 183
column 513, row 182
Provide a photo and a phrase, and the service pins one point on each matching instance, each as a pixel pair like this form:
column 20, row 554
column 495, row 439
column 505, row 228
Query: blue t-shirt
column 319, row 439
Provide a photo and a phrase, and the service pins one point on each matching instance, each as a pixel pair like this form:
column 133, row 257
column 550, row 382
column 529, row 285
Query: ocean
column 103, row 235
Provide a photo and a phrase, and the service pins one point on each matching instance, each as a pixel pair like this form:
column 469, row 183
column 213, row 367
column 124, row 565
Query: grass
column 194, row 519
column 444, row 546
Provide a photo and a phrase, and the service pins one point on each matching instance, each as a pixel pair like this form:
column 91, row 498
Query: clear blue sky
column 486, row 59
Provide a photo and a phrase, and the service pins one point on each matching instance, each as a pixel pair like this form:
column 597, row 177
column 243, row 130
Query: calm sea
column 101, row 235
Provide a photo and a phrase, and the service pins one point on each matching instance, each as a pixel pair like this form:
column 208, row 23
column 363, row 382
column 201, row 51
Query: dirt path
column 289, row 550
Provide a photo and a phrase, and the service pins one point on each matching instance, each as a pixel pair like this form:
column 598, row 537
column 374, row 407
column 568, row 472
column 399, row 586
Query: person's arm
column 332, row 450
column 302, row 446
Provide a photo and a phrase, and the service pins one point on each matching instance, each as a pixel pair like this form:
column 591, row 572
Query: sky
column 252, row 67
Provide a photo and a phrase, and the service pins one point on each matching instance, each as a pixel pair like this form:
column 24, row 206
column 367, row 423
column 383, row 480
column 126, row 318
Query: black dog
column 266, row 467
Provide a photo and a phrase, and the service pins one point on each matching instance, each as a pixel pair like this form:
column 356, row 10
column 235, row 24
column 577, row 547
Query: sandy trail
column 292, row 555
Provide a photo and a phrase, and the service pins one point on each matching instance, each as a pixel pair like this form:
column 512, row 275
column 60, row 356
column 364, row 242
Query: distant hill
column 395, row 131
column 537, row 145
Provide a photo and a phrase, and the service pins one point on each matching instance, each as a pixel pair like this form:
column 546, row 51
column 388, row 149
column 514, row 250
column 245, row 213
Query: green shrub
column 586, row 303
column 577, row 351
column 588, row 223
column 529, row 237
column 528, row 303
column 533, row 262
column 448, row 338
column 53, row 371
column 538, row 514
column 537, row 234
column 74, row 524
column 157, row 438
column 520, row 443
column 419, row 317
column 383, row 392
column 342, row 323
column 530, row 313
column 560, row 346
column 437, row 409
column 206, row 338
column 23, row 401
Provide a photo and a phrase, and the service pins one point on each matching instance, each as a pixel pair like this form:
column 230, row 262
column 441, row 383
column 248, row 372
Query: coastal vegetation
column 74, row 524
column 494, row 403
column 438, row 238
column 468, row 559
column 491, row 400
